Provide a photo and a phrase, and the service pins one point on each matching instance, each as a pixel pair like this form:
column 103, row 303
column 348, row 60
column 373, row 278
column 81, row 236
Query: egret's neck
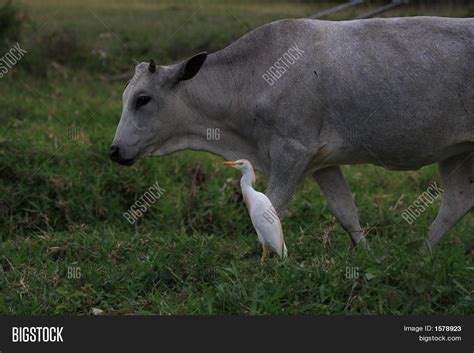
column 248, row 178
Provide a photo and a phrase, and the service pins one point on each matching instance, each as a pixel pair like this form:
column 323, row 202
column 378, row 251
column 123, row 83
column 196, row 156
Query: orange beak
column 231, row 163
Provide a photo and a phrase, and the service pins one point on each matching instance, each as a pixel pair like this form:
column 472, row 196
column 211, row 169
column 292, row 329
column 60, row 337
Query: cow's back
column 397, row 92
column 404, row 88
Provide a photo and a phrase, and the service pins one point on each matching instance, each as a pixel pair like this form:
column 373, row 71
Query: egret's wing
column 266, row 222
column 261, row 239
column 280, row 243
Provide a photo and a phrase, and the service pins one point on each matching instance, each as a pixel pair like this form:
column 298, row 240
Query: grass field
column 194, row 251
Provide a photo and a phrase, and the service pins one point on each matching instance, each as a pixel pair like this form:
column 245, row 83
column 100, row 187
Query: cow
column 302, row 97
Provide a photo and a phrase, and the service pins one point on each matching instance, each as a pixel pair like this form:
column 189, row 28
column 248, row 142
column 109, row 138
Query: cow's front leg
column 280, row 192
column 284, row 177
column 340, row 201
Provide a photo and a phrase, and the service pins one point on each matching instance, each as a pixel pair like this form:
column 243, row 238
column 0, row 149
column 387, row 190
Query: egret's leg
column 265, row 253
column 340, row 200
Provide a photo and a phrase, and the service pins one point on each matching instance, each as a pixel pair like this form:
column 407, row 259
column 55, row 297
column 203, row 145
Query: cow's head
column 153, row 112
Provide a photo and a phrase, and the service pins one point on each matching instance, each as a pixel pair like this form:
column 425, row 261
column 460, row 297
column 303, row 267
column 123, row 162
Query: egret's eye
column 141, row 101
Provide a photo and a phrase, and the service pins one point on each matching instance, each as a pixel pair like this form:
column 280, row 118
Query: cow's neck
column 214, row 122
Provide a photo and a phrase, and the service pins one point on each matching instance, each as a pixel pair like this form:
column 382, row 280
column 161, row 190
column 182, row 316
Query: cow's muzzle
column 114, row 154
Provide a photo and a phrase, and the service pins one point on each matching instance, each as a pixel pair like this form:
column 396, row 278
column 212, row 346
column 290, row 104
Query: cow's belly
column 401, row 153
column 414, row 162
column 395, row 145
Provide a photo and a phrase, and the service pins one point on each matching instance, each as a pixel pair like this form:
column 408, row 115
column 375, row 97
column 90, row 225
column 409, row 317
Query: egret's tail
column 282, row 251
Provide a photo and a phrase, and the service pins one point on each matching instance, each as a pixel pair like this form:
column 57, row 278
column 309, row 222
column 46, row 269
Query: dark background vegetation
column 195, row 250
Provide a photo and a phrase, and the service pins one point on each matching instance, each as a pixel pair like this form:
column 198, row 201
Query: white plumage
column 262, row 213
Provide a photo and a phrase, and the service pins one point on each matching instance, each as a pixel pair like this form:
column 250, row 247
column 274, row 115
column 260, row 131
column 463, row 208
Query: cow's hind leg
column 457, row 178
column 340, row 200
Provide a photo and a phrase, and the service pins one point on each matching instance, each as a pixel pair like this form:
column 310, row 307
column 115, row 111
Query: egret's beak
column 231, row 163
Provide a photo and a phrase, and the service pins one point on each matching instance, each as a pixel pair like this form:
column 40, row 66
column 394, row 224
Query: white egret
column 262, row 213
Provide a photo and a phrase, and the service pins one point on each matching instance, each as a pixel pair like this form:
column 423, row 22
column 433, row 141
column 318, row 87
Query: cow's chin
column 155, row 153
column 126, row 162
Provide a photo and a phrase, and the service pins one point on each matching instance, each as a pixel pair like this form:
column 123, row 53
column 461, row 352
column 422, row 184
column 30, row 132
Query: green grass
column 62, row 200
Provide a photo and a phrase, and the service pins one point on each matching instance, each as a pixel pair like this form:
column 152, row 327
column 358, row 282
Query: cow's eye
column 141, row 101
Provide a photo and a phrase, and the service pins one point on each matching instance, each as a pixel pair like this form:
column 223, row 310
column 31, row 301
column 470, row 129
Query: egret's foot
column 265, row 253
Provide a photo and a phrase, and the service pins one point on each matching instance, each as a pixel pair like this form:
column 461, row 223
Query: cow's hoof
column 363, row 244
column 426, row 249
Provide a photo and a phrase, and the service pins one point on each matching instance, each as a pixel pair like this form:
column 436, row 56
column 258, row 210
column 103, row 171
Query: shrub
column 63, row 46
column 10, row 24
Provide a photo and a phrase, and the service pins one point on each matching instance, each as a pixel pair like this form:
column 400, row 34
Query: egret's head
column 241, row 164
column 244, row 166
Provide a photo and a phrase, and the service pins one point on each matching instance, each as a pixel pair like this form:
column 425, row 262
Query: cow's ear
column 189, row 68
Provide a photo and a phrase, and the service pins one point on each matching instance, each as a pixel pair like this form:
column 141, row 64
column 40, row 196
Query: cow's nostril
column 113, row 152
column 116, row 156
